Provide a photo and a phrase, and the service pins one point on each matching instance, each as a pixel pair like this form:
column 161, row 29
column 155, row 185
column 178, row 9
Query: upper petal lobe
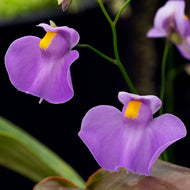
column 69, row 34
column 153, row 101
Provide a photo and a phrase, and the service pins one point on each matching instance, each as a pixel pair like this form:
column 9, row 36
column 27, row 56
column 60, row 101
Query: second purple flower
column 171, row 22
column 131, row 138
column 41, row 67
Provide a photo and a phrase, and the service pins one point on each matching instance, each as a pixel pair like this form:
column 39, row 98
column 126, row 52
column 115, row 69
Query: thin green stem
column 115, row 46
column 105, row 12
column 163, row 75
column 167, row 155
column 171, row 75
column 120, row 12
column 97, row 52
column 119, row 64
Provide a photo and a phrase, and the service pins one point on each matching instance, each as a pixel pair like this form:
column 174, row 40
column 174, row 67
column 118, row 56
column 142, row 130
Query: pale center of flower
column 46, row 40
column 176, row 38
column 132, row 109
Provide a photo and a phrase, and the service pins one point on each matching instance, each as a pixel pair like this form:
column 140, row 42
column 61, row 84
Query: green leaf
column 22, row 153
column 55, row 183
column 164, row 176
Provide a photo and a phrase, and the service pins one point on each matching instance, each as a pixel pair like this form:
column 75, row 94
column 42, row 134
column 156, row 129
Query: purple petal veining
column 44, row 73
column 134, row 142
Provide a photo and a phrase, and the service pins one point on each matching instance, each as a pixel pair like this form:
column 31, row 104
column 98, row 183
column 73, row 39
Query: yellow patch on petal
column 46, row 40
column 132, row 109
column 186, row 17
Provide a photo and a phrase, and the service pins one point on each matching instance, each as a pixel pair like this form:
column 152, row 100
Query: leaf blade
column 31, row 158
column 55, row 183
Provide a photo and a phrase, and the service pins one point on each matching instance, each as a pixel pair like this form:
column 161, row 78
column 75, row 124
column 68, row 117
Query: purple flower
column 171, row 22
column 41, row 67
column 131, row 138
column 65, row 3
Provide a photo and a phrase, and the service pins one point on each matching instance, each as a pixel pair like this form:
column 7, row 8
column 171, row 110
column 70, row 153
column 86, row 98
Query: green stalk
column 114, row 33
column 166, row 155
column 120, row 12
column 119, row 64
column 163, row 75
column 105, row 12
column 97, row 52
column 171, row 75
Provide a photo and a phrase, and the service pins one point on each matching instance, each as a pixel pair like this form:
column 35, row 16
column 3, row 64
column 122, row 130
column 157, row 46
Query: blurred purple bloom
column 41, row 67
column 65, row 3
column 171, row 22
column 131, row 138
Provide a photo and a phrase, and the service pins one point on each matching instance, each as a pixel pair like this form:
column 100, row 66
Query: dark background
column 95, row 81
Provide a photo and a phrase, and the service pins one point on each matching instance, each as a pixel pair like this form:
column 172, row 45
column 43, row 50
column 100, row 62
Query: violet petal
column 153, row 101
column 44, row 73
